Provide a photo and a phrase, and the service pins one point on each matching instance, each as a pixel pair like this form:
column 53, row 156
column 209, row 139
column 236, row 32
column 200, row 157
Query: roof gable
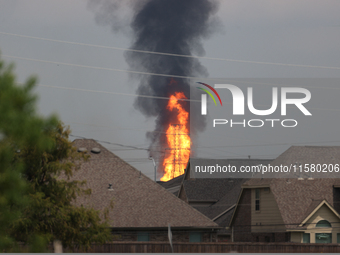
column 295, row 196
column 323, row 203
column 138, row 201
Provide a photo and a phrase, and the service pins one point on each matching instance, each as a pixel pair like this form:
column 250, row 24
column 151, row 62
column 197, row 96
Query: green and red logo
column 204, row 97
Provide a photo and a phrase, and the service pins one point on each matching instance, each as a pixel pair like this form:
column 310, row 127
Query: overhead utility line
column 172, row 54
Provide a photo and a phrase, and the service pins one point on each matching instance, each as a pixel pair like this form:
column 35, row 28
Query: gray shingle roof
column 207, row 189
column 138, row 201
column 297, row 198
column 222, row 192
column 172, row 183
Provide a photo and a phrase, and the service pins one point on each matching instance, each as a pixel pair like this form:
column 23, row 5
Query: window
column 306, row 238
column 257, row 199
column 143, row 236
column 323, row 238
column 195, row 237
column 338, row 237
column 323, row 224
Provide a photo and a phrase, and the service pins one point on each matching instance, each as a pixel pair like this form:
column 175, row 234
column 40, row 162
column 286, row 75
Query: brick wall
column 164, row 247
column 242, row 224
column 242, row 218
column 271, row 237
column 336, row 199
column 162, row 235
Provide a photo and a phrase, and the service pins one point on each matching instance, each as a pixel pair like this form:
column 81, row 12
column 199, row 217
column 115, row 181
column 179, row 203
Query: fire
column 177, row 135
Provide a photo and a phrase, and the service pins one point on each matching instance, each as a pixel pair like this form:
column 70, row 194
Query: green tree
column 19, row 127
column 52, row 213
column 36, row 164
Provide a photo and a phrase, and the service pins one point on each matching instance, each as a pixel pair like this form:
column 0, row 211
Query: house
column 173, row 185
column 215, row 197
column 301, row 210
column 142, row 209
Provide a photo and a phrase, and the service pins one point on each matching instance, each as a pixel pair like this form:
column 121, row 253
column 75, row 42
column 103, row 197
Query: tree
column 36, row 163
column 19, row 127
column 51, row 213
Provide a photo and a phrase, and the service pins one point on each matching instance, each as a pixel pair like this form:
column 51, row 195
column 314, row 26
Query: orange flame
column 178, row 140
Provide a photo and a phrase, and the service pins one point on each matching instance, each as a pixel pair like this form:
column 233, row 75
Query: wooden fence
column 164, row 247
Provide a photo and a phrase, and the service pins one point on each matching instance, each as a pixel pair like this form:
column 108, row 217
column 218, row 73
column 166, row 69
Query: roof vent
column 82, row 149
column 95, row 150
column 300, row 179
column 310, row 179
column 110, row 187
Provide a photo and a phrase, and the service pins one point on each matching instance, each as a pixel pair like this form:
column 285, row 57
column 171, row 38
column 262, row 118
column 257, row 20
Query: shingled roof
column 138, row 201
column 173, row 185
column 297, row 198
column 221, row 192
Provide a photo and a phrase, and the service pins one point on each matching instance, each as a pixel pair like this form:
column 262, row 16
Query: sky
column 77, row 81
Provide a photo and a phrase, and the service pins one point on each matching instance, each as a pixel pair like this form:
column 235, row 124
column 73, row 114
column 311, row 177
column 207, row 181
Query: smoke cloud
column 170, row 26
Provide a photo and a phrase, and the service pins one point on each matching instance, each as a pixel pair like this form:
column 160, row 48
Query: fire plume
column 178, row 139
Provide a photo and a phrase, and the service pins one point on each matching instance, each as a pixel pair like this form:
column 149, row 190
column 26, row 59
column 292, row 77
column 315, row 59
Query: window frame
column 329, row 234
column 142, row 235
column 193, row 235
column 305, row 235
column 323, row 224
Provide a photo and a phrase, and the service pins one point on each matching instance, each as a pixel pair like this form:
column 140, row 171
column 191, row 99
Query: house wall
column 324, row 213
column 162, row 235
column 224, row 238
column 296, row 237
column 241, row 225
column 271, row 237
column 336, row 199
column 268, row 218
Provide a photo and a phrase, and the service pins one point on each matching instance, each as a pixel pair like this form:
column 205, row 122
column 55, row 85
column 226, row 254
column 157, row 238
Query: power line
column 172, row 54
column 267, row 144
column 114, row 93
column 142, row 73
column 208, row 147
column 157, row 97
column 109, row 69
column 118, row 144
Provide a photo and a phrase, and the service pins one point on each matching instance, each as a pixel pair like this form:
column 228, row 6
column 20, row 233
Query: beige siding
column 296, row 237
column 268, row 219
column 324, row 213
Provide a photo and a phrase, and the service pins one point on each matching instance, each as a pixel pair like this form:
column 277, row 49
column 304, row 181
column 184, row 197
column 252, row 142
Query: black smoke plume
column 168, row 26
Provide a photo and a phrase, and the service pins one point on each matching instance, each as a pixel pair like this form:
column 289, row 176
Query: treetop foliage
column 36, row 163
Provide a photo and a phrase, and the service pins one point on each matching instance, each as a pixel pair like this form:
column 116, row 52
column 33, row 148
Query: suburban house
column 142, row 209
column 302, row 209
column 173, row 185
column 215, row 197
